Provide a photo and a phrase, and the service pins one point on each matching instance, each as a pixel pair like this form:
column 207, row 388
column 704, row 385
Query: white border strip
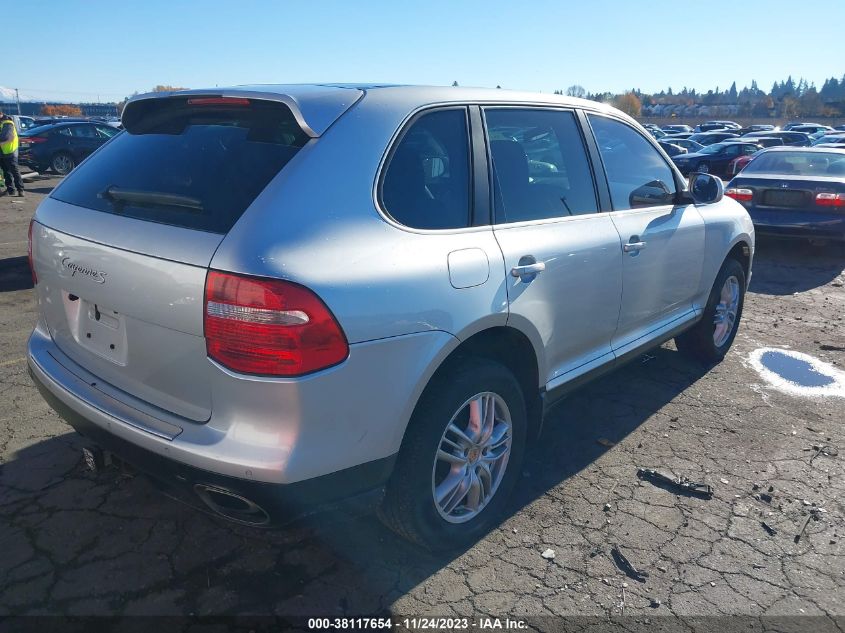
column 836, row 388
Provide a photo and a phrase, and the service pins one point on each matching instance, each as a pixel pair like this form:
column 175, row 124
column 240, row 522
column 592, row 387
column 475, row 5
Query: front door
column 563, row 260
column 662, row 243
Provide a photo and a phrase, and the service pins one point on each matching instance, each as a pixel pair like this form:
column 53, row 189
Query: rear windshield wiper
column 151, row 198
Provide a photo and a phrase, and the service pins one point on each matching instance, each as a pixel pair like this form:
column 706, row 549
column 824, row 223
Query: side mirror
column 705, row 188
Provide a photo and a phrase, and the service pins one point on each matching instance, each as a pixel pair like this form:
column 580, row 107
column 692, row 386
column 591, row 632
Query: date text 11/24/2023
column 418, row 624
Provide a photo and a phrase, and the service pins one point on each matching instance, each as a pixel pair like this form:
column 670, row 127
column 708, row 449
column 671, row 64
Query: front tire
column 461, row 457
column 711, row 338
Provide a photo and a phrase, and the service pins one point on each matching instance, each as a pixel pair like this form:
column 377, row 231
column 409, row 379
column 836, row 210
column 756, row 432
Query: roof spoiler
column 314, row 108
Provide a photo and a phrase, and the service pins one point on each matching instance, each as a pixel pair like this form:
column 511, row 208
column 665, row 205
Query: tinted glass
column 636, row 172
column 83, row 131
column 798, row 164
column 194, row 166
column 426, row 184
column 106, row 131
column 540, row 165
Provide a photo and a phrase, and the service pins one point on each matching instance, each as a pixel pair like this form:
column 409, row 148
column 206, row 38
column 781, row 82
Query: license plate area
column 97, row 328
column 780, row 198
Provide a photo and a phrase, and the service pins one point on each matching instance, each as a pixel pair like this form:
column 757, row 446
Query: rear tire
column 62, row 163
column 415, row 504
column 711, row 338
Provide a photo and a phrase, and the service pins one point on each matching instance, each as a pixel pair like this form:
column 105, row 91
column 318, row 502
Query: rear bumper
column 805, row 224
column 279, row 503
column 261, row 431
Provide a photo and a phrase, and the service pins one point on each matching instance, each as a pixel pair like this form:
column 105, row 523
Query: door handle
column 528, row 270
column 634, row 245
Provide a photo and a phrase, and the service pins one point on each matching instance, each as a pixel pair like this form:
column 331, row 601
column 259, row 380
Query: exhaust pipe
column 232, row 506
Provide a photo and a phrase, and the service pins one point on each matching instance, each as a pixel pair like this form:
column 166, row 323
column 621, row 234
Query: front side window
column 427, row 181
column 106, row 131
column 540, row 165
column 637, row 175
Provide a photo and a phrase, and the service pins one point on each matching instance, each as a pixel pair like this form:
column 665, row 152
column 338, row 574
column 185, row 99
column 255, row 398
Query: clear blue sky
column 80, row 50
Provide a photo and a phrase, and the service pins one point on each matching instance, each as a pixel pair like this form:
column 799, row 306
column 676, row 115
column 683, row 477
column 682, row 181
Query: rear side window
column 196, row 163
column 540, row 165
column 636, row 172
column 83, row 131
column 426, row 184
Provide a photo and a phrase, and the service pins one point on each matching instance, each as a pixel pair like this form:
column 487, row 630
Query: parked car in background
column 671, row 149
column 793, row 124
column 715, row 158
column 657, row 133
column 739, row 163
column 757, row 127
column 708, row 126
column 794, row 192
column 41, row 121
column 796, row 139
column 677, row 129
column 811, row 129
column 23, row 123
column 228, row 303
column 687, row 144
column 766, row 141
column 839, row 127
column 831, row 137
column 677, row 135
column 708, row 138
column 62, row 146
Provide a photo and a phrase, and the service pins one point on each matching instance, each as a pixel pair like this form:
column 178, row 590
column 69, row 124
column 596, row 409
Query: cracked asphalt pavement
column 73, row 543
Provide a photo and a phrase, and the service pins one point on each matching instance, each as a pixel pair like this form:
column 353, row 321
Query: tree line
column 786, row 98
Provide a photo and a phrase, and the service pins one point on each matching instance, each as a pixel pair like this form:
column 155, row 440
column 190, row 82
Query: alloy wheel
column 472, row 457
column 726, row 310
column 63, row 164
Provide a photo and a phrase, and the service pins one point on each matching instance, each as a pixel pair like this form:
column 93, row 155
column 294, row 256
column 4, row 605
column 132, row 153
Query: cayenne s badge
column 97, row 276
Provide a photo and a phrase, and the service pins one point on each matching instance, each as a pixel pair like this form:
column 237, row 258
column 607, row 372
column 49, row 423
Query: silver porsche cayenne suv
column 277, row 297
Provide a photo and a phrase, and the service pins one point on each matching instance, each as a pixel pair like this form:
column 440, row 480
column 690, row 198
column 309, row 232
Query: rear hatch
column 122, row 247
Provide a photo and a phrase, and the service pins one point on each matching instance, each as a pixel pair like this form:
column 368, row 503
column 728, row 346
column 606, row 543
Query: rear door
column 123, row 244
column 662, row 243
column 562, row 257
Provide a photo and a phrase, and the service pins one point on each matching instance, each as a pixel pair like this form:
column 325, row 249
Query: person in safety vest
column 9, row 155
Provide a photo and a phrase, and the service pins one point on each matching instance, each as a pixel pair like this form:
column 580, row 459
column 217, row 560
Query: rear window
column 798, row 164
column 196, row 163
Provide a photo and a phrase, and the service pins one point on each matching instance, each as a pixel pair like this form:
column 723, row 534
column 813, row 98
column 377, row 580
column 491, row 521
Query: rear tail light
column 32, row 140
column 269, row 327
column 830, row 200
column 29, row 254
column 743, row 195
